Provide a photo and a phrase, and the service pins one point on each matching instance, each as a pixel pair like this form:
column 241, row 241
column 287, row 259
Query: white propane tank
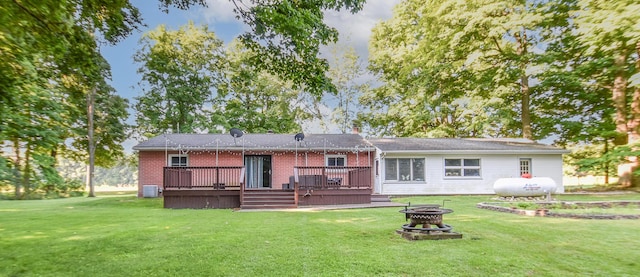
column 537, row 186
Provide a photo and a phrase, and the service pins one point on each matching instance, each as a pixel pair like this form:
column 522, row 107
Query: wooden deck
column 223, row 188
column 201, row 199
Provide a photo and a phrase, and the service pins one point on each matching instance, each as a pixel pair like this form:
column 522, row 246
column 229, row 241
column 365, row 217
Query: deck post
column 295, row 186
column 241, row 186
column 323, row 181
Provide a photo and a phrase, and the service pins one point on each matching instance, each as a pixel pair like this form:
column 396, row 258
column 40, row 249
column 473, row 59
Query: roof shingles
column 425, row 145
column 253, row 141
column 344, row 142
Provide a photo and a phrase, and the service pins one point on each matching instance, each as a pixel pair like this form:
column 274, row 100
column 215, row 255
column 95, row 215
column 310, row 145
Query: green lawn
column 126, row 236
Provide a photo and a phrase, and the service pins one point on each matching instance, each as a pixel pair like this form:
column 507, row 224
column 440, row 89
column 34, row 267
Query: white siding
column 492, row 168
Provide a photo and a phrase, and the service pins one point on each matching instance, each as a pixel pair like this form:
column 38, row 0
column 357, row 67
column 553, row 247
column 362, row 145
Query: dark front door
column 258, row 171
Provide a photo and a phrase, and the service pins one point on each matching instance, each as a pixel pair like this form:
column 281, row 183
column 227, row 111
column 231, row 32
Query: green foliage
column 455, row 70
column 498, row 68
column 6, row 174
column 257, row 101
column 587, row 159
column 598, row 160
column 611, row 158
column 124, row 172
column 194, row 85
column 286, row 37
column 50, row 63
column 525, row 205
column 179, row 69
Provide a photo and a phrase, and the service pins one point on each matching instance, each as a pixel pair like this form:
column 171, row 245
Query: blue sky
column 354, row 31
column 120, row 56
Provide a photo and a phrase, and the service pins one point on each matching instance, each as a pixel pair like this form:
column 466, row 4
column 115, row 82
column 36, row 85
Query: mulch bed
column 541, row 211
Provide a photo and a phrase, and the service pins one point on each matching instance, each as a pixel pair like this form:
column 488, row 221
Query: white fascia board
column 477, row 152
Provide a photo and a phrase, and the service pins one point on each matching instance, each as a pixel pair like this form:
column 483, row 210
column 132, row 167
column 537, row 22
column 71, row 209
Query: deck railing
column 190, row 177
column 332, row 177
column 232, row 177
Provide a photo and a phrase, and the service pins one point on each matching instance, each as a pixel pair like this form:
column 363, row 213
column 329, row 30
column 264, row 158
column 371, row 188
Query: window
column 404, row 169
column 178, row 160
column 462, row 167
column 337, row 160
column 525, row 166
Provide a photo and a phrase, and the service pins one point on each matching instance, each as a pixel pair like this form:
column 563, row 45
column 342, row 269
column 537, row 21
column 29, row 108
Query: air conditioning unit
column 150, row 191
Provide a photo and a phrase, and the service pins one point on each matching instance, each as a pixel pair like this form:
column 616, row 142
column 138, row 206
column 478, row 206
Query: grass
column 125, row 236
column 595, row 188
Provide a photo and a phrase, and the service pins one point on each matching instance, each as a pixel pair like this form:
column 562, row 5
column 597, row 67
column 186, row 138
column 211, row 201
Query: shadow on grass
column 123, row 202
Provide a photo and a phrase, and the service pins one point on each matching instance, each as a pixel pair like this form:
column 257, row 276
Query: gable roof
column 275, row 142
column 463, row 146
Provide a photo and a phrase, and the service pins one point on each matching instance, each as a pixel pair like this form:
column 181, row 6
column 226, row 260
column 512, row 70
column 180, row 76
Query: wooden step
column 268, row 199
column 380, row 198
column 268, row 206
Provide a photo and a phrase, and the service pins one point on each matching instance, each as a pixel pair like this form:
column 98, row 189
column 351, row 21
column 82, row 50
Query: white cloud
column 355, row 29
column 220, row 11
column 321, row 126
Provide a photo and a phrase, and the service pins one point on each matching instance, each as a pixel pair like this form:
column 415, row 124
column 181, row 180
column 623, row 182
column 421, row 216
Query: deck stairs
column 268, row 199
column 380, row 198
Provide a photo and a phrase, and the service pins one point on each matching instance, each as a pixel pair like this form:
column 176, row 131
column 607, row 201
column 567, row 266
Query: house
column 291, row 170
column 428, row 166
column 256, row 170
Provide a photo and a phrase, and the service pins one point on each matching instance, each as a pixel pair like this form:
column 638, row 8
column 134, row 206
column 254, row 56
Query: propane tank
column 536, row 186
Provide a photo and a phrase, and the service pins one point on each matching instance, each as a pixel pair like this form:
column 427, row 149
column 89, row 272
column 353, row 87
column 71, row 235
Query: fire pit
column 426, row 216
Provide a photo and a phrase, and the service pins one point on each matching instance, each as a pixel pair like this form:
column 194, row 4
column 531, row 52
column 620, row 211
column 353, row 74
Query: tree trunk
column 624, row 136
column 619, row 98
column 90, row 141
column 634, row 122
column 17, row 167
column 634, row 137
column 525, row 116
column 26, row 173
column 526, row 113
column 606, row 164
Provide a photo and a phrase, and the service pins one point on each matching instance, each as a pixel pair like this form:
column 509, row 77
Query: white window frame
column 529, row 168
column 327, row 157
column 461, row 168
column 411, row 178
column 170, row 160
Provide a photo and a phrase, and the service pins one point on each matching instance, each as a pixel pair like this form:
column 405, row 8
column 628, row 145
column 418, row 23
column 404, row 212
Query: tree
column 50, row 48
column 51, row 63
column 286, row 36
column 610, row 31
column 572, row 99
column 179, row 69
column 346, row 73
column 33, row 131
column 457, row 70
column 257, row 101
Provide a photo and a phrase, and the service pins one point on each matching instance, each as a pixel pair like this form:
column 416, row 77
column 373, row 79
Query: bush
column 525, row 205
column 76, row 193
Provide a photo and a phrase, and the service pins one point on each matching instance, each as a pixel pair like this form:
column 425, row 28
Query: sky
column 354, row 29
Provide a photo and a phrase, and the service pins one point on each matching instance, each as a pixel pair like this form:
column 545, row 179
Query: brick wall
column 151, row 163
column 150, row 166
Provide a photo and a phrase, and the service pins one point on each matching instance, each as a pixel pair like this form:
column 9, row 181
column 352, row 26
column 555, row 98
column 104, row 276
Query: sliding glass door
column 258, row 170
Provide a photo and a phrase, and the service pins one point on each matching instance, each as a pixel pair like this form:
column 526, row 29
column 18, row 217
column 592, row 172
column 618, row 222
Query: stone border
column 547, row 213
column 430, row 236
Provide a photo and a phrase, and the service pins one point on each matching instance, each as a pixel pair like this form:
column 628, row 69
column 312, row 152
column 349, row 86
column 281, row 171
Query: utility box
column 150, row 191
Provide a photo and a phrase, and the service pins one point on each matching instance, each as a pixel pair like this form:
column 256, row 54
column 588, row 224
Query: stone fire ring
column 426, row 210
column 444, row 228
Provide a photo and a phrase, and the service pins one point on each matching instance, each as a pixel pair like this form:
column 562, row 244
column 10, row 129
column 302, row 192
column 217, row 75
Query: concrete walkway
column 329, row 207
